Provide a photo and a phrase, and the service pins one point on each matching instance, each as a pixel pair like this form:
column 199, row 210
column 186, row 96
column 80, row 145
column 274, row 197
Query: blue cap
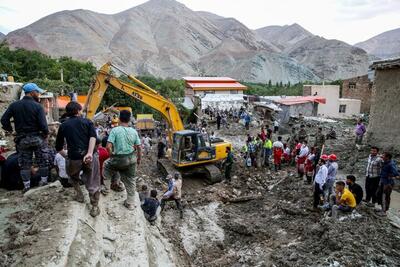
column 30, row 87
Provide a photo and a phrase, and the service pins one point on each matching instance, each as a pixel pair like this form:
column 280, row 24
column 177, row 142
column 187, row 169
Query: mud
column 261, row 218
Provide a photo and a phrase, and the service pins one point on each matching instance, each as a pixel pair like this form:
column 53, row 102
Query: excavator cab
column 190, row 147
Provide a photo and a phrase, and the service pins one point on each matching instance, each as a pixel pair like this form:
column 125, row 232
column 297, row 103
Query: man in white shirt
column 276, row 126
column 59, row 163
column 320, row 180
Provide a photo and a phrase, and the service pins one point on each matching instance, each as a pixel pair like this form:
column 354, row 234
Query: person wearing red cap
column 320, row 179
column 330, row 181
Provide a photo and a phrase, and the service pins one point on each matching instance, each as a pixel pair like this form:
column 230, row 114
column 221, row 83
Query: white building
column 335, row 106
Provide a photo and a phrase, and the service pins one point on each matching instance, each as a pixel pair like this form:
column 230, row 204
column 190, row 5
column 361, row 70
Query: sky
column 351, row 21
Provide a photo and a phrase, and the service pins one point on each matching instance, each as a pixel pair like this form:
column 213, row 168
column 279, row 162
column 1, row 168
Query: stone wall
column 384, row 124
column 359, row 88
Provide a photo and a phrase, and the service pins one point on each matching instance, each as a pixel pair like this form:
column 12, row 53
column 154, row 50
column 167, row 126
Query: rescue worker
column 301, row 159
column 267, row 151
column 228, row 164
column 80, row 135
column 278, row 152
column 31, row 127
column 123, row 144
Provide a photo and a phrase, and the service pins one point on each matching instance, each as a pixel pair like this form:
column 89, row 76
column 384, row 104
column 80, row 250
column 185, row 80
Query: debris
column 85, row 222
column 244, row 198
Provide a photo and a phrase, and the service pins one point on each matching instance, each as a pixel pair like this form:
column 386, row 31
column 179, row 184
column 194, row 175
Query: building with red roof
column 200, row 86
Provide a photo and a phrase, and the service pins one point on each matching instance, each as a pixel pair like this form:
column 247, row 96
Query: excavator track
column 209, row 172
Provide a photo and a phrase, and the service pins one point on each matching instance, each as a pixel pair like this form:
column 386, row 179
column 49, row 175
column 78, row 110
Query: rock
column 293, row 257
column 42, row 189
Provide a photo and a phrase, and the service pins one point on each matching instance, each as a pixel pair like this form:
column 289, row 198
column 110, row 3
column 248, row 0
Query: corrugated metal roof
column 301, row 100
column 216, row 86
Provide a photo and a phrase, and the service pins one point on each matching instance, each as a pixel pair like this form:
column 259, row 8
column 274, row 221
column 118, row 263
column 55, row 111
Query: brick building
column 384, row 124
column 359, row 87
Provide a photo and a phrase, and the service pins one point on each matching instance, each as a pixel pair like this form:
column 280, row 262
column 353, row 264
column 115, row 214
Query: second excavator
column 191, row 154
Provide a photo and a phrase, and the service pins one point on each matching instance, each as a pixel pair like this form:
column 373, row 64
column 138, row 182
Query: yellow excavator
column 191, row 155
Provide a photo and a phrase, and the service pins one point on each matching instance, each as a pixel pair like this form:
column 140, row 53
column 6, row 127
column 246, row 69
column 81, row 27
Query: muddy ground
column 261, row 218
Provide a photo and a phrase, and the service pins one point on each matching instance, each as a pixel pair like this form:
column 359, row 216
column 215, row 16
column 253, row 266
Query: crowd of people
column 89, row 154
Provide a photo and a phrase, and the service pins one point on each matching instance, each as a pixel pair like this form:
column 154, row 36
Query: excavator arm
column 139, row 91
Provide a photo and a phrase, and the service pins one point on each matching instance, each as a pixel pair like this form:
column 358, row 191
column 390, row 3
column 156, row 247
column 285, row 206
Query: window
column 233, row 92
column 209, row 92
column 352, row 85
column 342, row 109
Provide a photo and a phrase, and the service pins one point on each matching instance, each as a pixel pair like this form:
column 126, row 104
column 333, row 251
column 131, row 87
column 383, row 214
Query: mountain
column 328, row 59
column 2, row 36
column 384, row 45
column 284, row 36
column 164, row 38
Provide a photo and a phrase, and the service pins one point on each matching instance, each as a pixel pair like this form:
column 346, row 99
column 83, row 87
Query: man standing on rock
column 330, row 180
column 320, row 179
column 80, row 135
column 32, row 130
column 388, row 174
column 373, row 172
column 359, row 132
column 122, row 144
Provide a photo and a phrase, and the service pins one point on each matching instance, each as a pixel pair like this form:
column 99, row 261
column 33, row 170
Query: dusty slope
column 284, row 36
column 329, row 59
column 384, row 45
column 166, row 39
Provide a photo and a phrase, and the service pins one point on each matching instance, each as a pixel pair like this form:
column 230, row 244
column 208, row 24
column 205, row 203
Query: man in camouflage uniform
column 318, row 144
column 302, row 135
column 32, row 130
column 292, row 139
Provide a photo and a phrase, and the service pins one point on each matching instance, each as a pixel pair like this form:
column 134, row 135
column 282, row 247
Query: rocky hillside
column 1, row 36
column 384, row 45
column 328, row 59
column 166, row 39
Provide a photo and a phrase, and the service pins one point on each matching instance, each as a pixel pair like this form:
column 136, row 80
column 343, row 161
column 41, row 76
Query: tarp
column 62, row 101
column 301, row 100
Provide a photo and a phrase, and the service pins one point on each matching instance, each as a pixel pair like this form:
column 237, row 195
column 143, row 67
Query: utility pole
column 62, row 75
